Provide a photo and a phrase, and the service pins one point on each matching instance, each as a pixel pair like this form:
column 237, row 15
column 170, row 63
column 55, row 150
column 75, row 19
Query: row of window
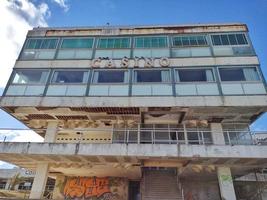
column 37, row 76
column 139, row 42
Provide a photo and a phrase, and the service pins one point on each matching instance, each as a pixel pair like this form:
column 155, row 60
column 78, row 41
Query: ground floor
column 157, row 183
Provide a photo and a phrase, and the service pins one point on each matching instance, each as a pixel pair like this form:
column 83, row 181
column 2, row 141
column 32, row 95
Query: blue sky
column 126, row 12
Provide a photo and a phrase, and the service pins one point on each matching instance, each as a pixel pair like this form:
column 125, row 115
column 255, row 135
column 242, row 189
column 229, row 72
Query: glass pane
column 225, row 40
column 30, row 44
column 112, row 43
column 49, row 44
column 232, row 74
column 251, row 74
column 185, row 41
column 241, row 39
column 216, row 40
column 69, row 77
column 177, row 42
column 150, row 42
column 151, row 76
column 191, row 75
column 232, row 39
column 109, row 77
column 201, row 40
column 30, row 77
column 77, row 43
column 193, row 41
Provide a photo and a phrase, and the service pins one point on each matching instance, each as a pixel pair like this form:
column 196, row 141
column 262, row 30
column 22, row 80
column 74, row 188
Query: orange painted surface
column 86, row 187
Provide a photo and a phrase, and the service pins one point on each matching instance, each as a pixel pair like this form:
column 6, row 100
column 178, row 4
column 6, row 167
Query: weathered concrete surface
column 140, row 150
column 255, row 100
column 176, row 62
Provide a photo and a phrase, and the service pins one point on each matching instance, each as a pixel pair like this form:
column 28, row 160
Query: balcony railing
column 143, row 136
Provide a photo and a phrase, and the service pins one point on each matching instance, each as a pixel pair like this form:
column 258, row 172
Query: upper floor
column 139, row 41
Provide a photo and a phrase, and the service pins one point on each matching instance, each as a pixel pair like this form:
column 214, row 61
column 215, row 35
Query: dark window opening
column 192, row 75
column 69, row 77
column 109, row 77
column 232, row 74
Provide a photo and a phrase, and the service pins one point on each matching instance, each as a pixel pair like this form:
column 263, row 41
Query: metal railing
column 147, row 136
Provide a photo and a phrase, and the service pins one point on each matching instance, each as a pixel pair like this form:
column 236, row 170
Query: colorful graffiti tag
column 94, row 188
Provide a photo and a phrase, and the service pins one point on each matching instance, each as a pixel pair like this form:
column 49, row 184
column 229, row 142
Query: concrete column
column 217, row 133
column 8, row 184
column 57, row 194
column 226, row 183
column 39, row 182
column 51, row 131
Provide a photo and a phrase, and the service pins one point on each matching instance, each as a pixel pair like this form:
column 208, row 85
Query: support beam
column 39, row 181
column 51, row 131
column 226, row 183
column 217, row 133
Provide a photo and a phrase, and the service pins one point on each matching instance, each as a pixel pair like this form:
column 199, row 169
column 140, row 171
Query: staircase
column 160, row 185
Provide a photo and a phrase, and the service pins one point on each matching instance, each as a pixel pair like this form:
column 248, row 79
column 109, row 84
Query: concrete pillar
column 8, row 184
column 51, row 131
column 39, row 182
column 226, row 183
column 57, row 194
column 217, row 133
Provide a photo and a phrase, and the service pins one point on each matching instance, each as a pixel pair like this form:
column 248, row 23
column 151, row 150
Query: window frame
column 41, row 38
column 118, row 69
column 152, row 69
column 242, row 67
column 176, row 75
column 70, row 69
column 114, row 37
column 62, row 38
column 188, row 35
column 231, row 45
column 29, row 69
column 151, row 36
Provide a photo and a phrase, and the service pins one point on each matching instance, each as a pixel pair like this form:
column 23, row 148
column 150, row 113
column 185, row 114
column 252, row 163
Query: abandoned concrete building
column 139, row 112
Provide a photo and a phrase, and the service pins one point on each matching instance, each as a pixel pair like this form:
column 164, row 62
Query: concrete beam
column 196, row 101
column 134, row 150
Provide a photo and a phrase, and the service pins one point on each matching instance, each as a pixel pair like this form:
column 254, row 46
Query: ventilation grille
column 39, row 116
column 72, row 117
column 111, row 111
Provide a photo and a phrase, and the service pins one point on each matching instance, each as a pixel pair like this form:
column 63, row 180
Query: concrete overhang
column 28, row 154
column 155, row 101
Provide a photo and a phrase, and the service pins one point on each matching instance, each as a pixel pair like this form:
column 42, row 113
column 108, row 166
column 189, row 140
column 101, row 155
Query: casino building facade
column 138, row 112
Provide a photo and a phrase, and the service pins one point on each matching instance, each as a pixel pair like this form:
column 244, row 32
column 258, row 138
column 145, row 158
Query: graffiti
column 226, row 179
column 92, row 188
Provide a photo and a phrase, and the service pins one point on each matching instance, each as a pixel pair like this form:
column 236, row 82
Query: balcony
column 187, row 136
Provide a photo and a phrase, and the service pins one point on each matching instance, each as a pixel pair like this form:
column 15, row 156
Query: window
column 151, row 76
column 112, row 76
column 189, row 41
column 239, row 74
column 30, row 76
column 229, row 39
column 70, row 77
column 41, row 44
column 72, row 43
column 193, row 75
column 151, row 42
column 113, row 43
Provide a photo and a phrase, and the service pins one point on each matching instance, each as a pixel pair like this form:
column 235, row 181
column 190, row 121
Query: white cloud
column 62, row 4
column 17, row 17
